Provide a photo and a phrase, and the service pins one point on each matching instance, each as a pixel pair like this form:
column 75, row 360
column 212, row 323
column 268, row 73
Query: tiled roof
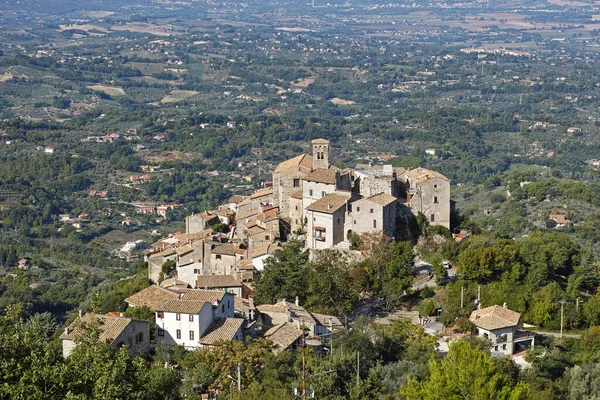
column 383, row 199
column 247, row 214
column 323, row 175
column 167, row 283
column 268, row 248
column 151, row 297
column 303, row 160
column 424, row 174
column 182, row 306
column 328, row 204
column 245, row 265
column 236, row 199
column 255, row 230
column 320, row 141
column 164, row 253
column 217, row 281
column 226, row 249
column 283, row 335
column 223, row 329
column 110, row 327
column 262, row 193
column 274, row 308
column 207, row 296
column 494, row 317
column 184, row 250
column 327, row 320
column 269, row 215
column 296, row 195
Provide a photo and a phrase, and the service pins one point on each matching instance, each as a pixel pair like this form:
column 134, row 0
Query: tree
column 466, row 373
column 331, row 289
column 284, row 275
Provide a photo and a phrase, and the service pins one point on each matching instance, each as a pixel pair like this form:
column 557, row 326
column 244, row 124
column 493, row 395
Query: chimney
column 297, row 302
column 180, row 295
column 329, row 206
column 80, row 313
column 504, row 305
column 66, row 330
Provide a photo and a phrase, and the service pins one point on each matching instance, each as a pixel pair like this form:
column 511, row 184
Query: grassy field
column 178, row 95
column 195, row 70
column 109, row 90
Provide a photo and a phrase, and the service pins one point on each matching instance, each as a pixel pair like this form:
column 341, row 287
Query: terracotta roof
column 248, row 214
column 303, row 160
column 324, row 320
column 245, row 265
column 424, row 174
column 223, row 329
column 207, row 296
column 255, row 230
column 323, row 175
column 296, row 195
column 320, row 141
column 383, row 199
column 494, row 317
column 328, row 204
column 274, row 308
column 110, row 327
column 236, row 199
column 182, row 306
column 262, row 193
column 283, row 335
column 268, row 248
column 183, row 250
column 217, row 281
column 167, row 283
column 151, row 297
column 559, row 219
column 269, row 215
column 226, row 249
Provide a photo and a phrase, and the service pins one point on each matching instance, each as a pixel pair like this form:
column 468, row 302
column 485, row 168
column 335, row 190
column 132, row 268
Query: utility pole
column 239, row 382
column 462, row 297
column 358, row 368
column 479, row 296
column 303, row 366
column 562, row 307
column 577, row 306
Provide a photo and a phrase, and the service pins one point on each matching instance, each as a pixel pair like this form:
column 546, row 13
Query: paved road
column 425, row 276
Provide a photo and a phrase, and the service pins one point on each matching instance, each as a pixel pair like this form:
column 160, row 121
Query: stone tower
column 320, row 153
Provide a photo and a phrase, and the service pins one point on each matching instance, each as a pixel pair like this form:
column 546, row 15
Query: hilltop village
column 207, row 273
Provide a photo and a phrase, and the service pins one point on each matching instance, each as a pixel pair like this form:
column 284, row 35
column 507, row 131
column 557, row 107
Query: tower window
column 432, row 217
column 435, row 200
column 296, row 183
column 374, row 224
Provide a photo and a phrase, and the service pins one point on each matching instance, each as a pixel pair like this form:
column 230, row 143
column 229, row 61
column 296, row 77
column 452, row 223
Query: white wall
column 201, row 322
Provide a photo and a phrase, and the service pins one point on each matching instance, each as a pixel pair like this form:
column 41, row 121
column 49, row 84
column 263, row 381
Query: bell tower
column 320, row 153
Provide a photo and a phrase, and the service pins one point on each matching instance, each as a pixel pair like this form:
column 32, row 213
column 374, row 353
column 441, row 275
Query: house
column 225, row 329
column 23, row 264
column 286, row 336
column 504, row 328
column 118, row 331
column 226, row 283
column 191, row 317
column 428, row 192
column 375, row 213
column 316, row 324
column 560, row 220
column 325, row 221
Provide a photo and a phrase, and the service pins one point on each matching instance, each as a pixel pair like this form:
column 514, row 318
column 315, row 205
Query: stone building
column 118, row 331
column 377, row 212
column 428, row 192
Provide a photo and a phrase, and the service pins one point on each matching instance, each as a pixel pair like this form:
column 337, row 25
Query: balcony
column 519, row 335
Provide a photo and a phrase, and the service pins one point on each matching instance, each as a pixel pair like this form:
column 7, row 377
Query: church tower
column 320, row 153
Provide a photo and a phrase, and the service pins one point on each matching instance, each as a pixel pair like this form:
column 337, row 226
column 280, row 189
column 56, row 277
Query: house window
column 161, row 332
column 435, row 186
column 178, row 333
column 296, row 208
column 310, row 191
column 160, row 314
column 228, row 304
column 296, row 182
column 267, row 237
column 432, row 218
column 196, row 271
column 495, row 348
column 357, row 209
column 354, row 222
column 374, row 224
column 323, row 194
column 371, row 211
column 191, row 335
column 223, row 308
column 191, row 317
column 296, row 221
column 320, row 233
column 218, row 256
column 178, row 317
column 435, row 200
column 503, row 347
column 139, row 337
